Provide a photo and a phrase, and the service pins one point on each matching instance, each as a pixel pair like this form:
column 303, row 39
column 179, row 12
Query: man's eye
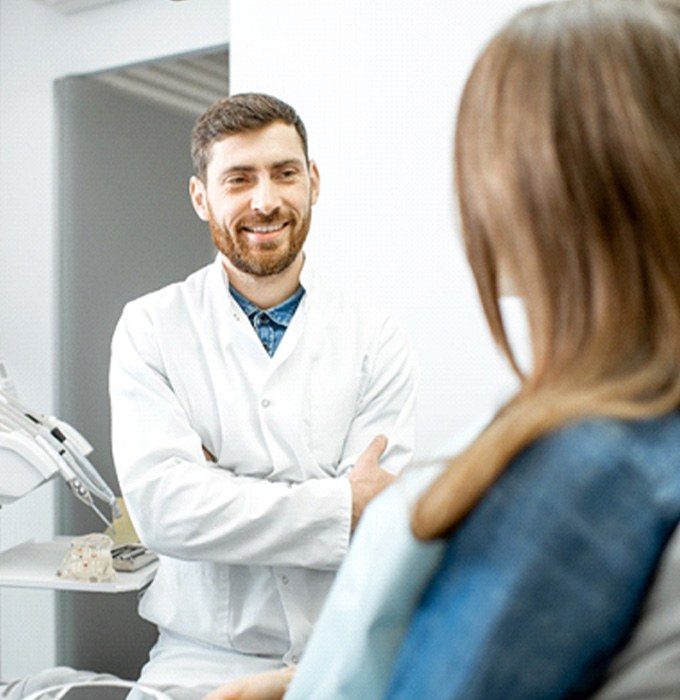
column 236, row 181
column 288, row 174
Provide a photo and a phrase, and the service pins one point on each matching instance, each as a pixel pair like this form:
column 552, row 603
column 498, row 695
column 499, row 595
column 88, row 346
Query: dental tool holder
column 34, row 449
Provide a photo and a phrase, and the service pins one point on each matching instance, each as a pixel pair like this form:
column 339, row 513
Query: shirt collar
column 281, row 313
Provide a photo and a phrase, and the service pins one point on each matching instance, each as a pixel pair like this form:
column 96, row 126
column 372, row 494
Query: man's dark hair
column 234, row 115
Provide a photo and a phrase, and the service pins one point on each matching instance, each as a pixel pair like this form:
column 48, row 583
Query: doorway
column 126, row 227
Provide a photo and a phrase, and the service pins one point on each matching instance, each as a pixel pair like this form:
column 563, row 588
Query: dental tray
column 34, row 565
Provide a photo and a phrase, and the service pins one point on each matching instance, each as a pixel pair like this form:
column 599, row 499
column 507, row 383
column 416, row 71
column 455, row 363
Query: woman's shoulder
column 644, row 449
column 652, row 431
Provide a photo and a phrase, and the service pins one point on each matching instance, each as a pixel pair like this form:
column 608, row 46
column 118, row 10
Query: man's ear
column 199, row 197
column 314, row 179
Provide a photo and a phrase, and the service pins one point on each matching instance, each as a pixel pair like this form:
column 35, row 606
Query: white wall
column 377, row 84
column 37, row 46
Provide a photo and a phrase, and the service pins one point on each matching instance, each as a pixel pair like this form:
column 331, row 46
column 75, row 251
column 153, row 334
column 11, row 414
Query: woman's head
column 567, row 158
column 567, row 162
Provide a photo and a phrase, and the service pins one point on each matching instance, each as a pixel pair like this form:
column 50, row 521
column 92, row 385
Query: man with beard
column 249, row 403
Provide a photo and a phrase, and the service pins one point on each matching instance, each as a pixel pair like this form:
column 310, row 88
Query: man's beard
column 263, row 259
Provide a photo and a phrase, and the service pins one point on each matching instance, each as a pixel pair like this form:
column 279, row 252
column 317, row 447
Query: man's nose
column 265, row 197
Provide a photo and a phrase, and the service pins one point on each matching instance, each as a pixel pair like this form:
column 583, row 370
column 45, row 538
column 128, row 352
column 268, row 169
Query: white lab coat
column 248, row 547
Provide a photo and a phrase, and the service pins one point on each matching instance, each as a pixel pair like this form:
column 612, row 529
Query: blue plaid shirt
column 270, row 324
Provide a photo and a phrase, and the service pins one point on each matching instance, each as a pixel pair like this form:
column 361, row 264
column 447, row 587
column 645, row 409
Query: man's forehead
column 275, row 143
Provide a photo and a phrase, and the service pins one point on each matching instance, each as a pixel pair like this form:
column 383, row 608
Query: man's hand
column 270, row 685
column 367, row 479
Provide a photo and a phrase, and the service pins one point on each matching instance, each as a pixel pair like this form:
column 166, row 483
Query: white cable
column 63, row 688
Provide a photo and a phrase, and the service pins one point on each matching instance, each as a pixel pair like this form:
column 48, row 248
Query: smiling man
column 246, row 402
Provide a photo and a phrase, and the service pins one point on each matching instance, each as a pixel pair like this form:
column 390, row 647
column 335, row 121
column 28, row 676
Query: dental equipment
column 34, row 448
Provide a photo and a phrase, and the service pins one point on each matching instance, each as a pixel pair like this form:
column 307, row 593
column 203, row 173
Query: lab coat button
column 295, row 659
column 285, row 580
column 265, row 402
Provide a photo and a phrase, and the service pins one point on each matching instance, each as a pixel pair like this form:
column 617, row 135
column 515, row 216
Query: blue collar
column 282, row 314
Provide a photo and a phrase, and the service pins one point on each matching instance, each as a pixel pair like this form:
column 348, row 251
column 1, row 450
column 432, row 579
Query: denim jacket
column 543, row 582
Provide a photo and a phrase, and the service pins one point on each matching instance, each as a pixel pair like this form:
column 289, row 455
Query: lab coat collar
column 226, row 303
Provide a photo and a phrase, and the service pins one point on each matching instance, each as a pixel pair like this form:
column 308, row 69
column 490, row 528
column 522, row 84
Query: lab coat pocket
column 257, row 620
column 190, row 598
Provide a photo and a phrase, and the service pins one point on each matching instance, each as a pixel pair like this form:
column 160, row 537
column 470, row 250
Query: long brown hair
column 567, row 168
